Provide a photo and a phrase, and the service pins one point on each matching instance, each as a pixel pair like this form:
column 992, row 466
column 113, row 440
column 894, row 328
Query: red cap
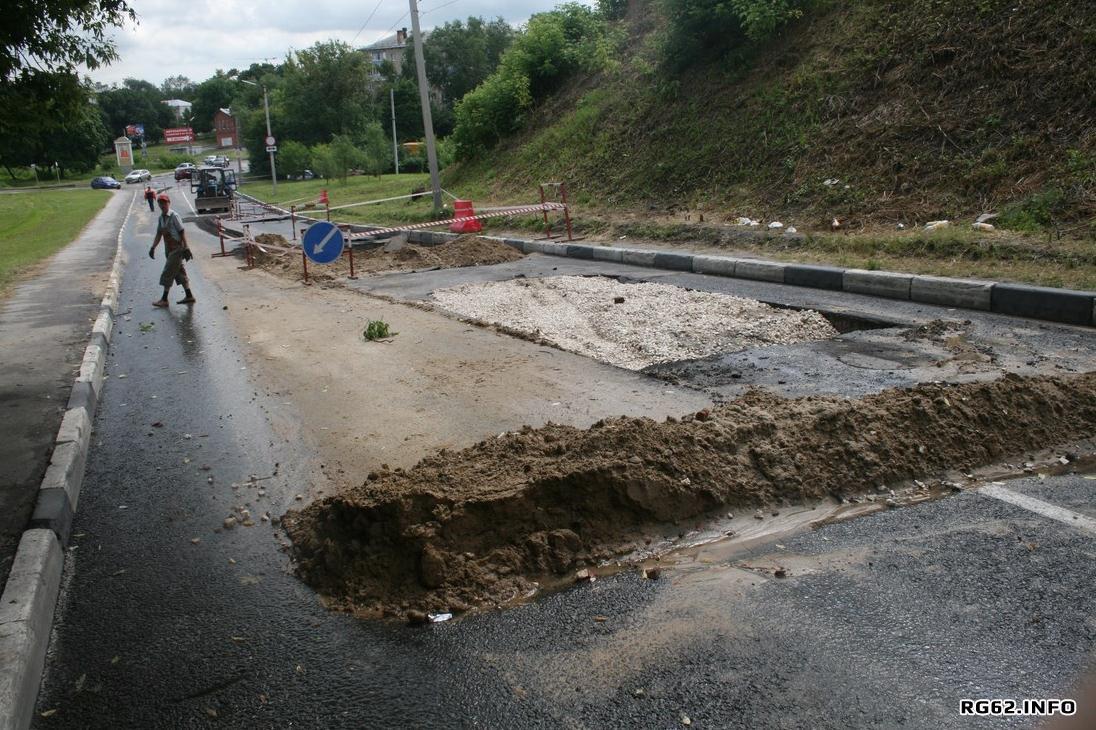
column 163, row 196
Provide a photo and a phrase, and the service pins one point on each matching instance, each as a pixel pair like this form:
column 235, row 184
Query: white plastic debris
column 901, row 226
column 437, row 618
column 744, row 221
column 791, row 229
column 776, row 224
column 986, row 217
column 983, row 227
column 830, row 182
column 935, row 225
column 835, row 224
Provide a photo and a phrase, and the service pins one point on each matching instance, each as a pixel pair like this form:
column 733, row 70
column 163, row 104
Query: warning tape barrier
column 540, row 208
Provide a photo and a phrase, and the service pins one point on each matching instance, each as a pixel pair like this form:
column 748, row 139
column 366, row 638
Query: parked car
column 209, row 159
column 220, row 161
column 105, row 182
column 138, row 176
column 183, row 171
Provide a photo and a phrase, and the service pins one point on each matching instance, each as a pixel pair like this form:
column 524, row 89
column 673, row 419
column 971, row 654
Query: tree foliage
column 459, row 55
column 58, row 35
column 324, row 92
column 293, row 158
column 48, row 117
column 553, row 47
column 706, row 29
column 135, row 102
column 216, row 92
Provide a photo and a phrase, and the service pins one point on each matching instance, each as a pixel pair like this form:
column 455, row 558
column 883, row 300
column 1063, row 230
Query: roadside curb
column 30, row 595
column 1019, row 300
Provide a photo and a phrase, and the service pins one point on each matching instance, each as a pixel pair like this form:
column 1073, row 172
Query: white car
column 138, row 176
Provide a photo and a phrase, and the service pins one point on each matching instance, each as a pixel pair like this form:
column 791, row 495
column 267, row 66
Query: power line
column 375, row 9
column 439, row 7
column 393, row 26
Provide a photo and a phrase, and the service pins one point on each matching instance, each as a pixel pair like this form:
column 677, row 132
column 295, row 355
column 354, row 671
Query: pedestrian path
column 44, row 326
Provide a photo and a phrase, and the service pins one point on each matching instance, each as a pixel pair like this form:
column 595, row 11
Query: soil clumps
column 463, row 251
column 489, row 523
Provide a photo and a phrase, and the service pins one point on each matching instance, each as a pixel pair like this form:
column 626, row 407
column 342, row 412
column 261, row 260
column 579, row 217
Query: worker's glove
column 152, row 252
column 187, row 255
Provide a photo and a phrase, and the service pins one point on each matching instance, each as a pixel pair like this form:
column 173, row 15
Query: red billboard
column 176, row 135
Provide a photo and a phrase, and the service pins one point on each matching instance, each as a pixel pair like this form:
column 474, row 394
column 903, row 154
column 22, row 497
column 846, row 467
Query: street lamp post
column 266, row 110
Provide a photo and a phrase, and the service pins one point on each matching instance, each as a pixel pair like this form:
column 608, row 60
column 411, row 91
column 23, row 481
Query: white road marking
column 1046, row 509
column 187, row 199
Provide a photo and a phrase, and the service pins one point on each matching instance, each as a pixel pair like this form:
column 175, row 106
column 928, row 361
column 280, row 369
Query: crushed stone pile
column 632, row 325
column 463, row 251
column 483, row 525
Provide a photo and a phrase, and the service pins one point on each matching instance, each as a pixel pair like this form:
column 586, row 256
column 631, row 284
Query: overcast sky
column 196, row 37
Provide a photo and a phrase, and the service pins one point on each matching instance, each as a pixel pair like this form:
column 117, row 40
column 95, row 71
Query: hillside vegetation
column 919, row 109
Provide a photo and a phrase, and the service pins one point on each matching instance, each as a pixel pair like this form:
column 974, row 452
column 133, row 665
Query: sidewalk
column 44, row 326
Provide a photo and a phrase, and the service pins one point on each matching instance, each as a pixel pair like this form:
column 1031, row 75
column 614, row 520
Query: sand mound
column 462, row 251
column 480, row 525
column 632, row 325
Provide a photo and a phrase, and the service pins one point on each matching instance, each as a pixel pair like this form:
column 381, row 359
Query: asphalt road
column 167, row 621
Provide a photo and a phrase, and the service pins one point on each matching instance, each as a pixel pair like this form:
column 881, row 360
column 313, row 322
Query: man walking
column 169, row 227
column 150, row 196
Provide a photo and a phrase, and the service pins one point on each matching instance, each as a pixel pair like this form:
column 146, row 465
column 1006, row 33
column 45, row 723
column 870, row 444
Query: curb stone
column 1019, row 300
column 30, row 594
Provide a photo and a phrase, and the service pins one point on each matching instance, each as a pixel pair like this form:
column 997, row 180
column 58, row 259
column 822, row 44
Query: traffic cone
column 463, row 209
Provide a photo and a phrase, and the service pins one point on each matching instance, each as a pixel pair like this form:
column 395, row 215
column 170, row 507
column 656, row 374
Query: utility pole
column 273, row 173
column 424, row 99
column 395, row 147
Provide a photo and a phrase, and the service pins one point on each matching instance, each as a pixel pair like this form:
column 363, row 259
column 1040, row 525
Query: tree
column 375, row 149
column 52, row 35
column 135, row 102
column 216, row 92
column 459, row 56
column 293, row 158
column 325, row 92
column 48, row 117
column 178, row 87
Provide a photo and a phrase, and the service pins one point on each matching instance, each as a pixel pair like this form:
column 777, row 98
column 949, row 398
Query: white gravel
column 655, row 323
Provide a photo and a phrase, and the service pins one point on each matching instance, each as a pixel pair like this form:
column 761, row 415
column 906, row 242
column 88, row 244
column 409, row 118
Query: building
column 224, row 129
column 389, row 49
column 179, row 107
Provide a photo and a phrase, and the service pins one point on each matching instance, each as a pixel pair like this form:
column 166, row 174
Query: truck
column 213, row 189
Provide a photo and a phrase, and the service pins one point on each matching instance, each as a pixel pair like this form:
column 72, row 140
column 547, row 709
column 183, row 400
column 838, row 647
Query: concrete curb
column 1019, row 300
column 30, row 595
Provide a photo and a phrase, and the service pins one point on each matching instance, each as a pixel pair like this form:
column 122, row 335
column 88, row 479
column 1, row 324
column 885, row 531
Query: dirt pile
column 462, row 251
column 481, row 525
column 632, row 325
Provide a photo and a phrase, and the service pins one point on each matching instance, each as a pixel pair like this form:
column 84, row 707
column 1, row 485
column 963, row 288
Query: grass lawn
column 368, row 187
column 35, row 225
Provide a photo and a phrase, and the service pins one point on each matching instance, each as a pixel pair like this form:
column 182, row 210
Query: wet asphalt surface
column 883, row 621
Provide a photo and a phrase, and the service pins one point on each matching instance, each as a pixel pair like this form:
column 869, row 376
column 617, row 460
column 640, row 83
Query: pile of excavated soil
column 632, row 325
column 482, row 525
column 462, row 251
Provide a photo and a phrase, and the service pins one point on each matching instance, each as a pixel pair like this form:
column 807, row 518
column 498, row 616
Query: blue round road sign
column 323, row 242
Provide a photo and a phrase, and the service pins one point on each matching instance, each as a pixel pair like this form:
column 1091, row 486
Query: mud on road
column 498, row 520
column 462, row 251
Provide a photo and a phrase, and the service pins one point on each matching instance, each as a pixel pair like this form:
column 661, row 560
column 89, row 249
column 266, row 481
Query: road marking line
column 187, row 199
column 1046, row 509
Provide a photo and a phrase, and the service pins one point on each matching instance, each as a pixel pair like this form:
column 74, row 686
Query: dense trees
column 46, row 113
column 460, row 55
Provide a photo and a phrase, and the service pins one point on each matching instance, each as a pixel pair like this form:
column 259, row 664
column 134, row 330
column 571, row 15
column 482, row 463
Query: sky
column 194, row 38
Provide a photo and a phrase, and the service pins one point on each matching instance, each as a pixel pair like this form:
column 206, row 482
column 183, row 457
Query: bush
column 293, row 158
column 555, row 45
column 704, row 29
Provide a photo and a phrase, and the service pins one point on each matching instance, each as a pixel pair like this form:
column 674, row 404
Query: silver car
column 138, row 176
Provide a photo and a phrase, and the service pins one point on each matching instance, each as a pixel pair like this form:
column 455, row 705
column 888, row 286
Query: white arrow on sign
column 319, row 247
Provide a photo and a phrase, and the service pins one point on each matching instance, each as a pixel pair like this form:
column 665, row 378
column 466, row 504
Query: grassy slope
column 35, row 225
column 926, row 109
